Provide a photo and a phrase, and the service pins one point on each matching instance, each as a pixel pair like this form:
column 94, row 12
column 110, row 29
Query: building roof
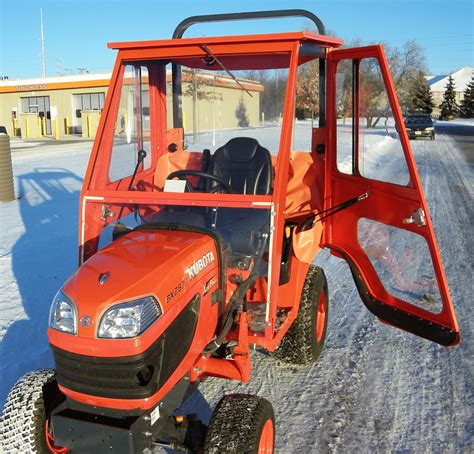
column 103, row 80
column 55, row 83
column 433, row 79
column 461, row 79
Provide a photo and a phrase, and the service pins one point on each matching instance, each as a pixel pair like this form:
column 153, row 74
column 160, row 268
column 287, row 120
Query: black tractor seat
column 245, row 165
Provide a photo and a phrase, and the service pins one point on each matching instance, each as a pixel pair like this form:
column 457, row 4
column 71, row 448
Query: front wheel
column 241, row 424
column 25, row 419
column 304, row 341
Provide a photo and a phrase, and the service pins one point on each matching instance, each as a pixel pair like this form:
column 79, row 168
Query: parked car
column 420, row 125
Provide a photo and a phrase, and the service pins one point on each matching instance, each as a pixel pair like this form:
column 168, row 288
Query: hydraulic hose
column 237, row 298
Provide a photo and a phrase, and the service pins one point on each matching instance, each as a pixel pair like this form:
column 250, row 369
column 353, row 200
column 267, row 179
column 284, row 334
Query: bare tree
column 274, row 82
column 307, row 90
column 405, row 65
column 201, row 87
column 344, row 89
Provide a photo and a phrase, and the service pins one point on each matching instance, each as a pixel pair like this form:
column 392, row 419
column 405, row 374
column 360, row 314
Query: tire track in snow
column 376, row 388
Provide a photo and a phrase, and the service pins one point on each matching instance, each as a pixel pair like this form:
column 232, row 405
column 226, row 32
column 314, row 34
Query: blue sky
column 76, row 32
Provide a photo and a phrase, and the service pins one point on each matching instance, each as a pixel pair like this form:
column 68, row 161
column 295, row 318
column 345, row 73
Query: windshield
column 222, row 139
column 419, row 120
column 208, row 126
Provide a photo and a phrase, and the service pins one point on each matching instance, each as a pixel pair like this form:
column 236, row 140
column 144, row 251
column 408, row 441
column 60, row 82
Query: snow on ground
column 375, row 388
column 456, row 122
column 38, row 250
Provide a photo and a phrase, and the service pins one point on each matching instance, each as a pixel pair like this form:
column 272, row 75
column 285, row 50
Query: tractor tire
column 304, row 341
column 25, row 419
column 241, row 424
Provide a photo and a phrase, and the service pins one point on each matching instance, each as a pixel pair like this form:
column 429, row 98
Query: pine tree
column 467, row 104
column 421, row 96
column 241, row 114
column 449, row 108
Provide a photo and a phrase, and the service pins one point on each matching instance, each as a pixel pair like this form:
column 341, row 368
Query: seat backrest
column 245, row 166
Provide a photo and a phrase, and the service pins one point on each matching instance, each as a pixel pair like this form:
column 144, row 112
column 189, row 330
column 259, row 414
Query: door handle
column 418, row 217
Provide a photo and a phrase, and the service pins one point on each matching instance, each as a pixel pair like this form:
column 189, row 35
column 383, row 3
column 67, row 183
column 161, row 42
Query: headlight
column 63, row 314
column 430, row 128
column 129, row 319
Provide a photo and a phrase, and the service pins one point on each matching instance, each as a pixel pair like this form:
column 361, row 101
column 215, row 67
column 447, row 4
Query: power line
column 443, row 37
column 465, row 44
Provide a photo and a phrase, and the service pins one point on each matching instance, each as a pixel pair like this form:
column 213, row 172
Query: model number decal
column 176, row 290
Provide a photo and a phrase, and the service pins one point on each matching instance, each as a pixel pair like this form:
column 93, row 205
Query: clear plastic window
column 367, row 141
column 381, row 155
column 243, row 233
column 219, row 106
column 403, row 263
column 306, row 105
column 231, row 127
column 132, row 128
column 344, row 120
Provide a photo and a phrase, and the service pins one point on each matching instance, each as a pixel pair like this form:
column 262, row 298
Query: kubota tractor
column 207, row 196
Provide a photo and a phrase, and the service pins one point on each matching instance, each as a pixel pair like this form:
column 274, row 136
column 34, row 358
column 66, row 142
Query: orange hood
column 162, row 263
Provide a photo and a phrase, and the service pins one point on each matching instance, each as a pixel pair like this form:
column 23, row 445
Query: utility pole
column 42, row 44
column 195, row 97
column 59, row 68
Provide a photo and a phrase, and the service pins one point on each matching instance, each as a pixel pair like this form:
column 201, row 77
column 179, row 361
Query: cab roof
column 303, row 36
column 262, row 51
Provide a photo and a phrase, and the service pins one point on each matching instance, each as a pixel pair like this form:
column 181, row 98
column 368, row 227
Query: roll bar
column 193, row 20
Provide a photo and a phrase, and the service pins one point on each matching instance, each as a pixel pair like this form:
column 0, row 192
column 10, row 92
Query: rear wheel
column 304, row 341
column 241, row 423
column 26, row 414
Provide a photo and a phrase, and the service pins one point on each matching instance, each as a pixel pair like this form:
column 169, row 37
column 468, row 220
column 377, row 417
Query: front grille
column 130, row 377
column 125, row 377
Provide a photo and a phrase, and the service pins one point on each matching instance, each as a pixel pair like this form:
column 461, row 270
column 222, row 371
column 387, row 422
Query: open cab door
column 377, row 218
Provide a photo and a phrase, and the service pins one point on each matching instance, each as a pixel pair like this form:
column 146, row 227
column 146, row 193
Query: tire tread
column 22, row 421
column 297, row 346
column 235, row 424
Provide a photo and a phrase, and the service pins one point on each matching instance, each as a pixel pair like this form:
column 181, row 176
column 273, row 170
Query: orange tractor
column 203, row 207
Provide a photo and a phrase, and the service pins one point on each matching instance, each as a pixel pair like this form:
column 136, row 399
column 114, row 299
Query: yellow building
column 71, row 105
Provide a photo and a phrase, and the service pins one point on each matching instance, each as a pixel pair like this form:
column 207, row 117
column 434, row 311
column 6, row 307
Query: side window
column 403, row 263
column 345, row 116
column 368, row 144
column 306, row 105
column 380, row 154
column 132, row 128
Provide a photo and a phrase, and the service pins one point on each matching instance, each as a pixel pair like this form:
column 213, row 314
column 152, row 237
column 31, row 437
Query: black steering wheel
column 182, row 174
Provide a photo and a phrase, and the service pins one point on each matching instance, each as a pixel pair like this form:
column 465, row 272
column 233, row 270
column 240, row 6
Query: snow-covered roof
column 461, row 78
column 433, row 79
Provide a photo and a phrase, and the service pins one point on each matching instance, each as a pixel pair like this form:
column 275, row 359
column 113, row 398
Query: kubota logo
column 199, row 265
